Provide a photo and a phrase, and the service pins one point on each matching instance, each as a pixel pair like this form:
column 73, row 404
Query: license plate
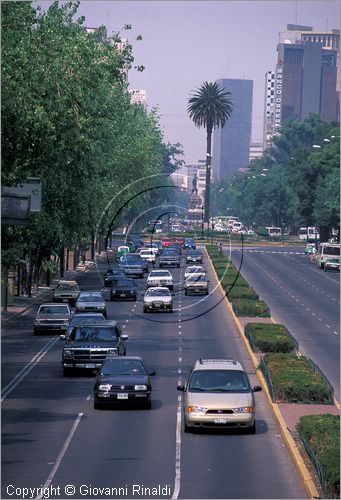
column 122, row 395
column 90, row 365
column 65, row 300
column 220, row 420
column 123, row 294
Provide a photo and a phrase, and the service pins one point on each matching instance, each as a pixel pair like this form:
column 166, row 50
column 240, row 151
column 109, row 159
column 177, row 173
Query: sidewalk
column 22, row 303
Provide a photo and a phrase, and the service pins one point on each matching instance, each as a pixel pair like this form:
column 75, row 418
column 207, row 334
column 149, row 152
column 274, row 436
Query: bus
column 274, row 232
column 327, row 251
column 309, row 234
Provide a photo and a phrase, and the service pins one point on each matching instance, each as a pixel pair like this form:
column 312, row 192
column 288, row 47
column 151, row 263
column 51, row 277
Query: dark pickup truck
column 88, row 345
column 169, row 258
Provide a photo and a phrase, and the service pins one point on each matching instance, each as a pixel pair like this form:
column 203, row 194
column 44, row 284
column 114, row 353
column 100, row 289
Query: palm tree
column 209, row 107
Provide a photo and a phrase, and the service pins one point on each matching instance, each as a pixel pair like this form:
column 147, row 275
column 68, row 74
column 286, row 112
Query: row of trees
column 68, row 119
column 295, row 183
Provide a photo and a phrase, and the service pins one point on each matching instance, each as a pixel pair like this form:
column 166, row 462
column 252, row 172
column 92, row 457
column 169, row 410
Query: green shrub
column 321, row 437
column 270, row 337
column 250, row 307
column 294, row 380
column 228, row 282
column 242, row 292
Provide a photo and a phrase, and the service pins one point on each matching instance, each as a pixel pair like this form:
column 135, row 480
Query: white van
column 327, row 251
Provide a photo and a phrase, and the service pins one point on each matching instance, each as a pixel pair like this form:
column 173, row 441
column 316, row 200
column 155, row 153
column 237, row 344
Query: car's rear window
column 219, row 381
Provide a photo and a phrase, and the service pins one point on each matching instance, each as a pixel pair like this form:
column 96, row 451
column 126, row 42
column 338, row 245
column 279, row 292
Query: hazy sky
column 188, row 42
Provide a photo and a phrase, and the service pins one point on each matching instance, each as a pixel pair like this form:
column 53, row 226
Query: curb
column 308, row 483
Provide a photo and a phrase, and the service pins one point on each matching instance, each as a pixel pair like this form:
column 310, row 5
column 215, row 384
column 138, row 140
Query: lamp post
column 208, row 189
column 202, row 222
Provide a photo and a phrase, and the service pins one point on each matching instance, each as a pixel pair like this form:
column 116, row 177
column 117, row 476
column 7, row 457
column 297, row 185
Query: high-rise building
column 307, row 78
column 269, row 106
column 305, row 82
column 231, row 143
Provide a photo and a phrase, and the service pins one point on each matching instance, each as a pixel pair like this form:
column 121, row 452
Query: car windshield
column 195, row 270
column 67, row 286
column 91, row 298
column 194, row 252
column 54, row 310
column 125, row 283
column 170, row 252
column 157, row 293
column 130, row 259
column 76, row 320
column 219, row 381
column 93, row 333
column 157, row 274
column 196, row 279
column 122, row 367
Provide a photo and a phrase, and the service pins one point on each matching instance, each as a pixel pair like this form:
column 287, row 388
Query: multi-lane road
column 54, row 439
column 301, row 296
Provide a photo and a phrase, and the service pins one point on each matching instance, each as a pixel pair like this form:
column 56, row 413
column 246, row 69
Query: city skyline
column 183, row 46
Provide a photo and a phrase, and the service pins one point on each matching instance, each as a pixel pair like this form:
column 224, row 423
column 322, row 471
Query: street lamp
column 202, row 221
column 208, row 189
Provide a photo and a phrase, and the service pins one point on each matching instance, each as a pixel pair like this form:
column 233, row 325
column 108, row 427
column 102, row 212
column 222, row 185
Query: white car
column 148, row 255
column 195, row 271
column 152, row 246
column 160, row 277
column 157, row 299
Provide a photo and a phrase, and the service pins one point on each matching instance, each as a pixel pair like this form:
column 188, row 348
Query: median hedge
column 242, row 292
column 293, row 379
column 270, row 337
column 321, row 438
column 251, row 307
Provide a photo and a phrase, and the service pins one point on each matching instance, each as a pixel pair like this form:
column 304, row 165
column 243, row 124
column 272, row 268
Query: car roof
column 159, row 271
column 86, row 294
column 114, row 357
column 55, row 304
column 217, row 364
column 68, row 282
column 157, row 288
column 194, row 267
column 106, row 322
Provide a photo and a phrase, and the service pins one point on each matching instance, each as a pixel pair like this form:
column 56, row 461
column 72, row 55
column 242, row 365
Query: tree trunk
column 62, row 261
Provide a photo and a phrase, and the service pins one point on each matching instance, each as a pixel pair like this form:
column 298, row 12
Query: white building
column 256, row 150
column 138, row 96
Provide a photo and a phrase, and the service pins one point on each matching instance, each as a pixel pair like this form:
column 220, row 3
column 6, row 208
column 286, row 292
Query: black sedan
column 112, row 275
column 194, row 256
column 123, row 289
column 123, row 380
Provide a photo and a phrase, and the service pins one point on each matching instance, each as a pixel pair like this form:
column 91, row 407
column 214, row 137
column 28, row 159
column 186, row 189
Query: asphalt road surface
column 55, row 440
column 302, row 297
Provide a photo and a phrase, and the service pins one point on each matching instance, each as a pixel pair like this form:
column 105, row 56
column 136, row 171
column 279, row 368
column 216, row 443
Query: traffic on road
column 126, row 408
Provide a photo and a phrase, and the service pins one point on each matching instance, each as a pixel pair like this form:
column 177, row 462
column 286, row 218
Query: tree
column 210, row 106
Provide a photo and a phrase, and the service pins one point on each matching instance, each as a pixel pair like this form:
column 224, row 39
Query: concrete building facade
column 306, row 79
column 231, row 143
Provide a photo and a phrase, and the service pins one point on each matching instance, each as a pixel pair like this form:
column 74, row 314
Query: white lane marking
column 60, row 456
column 88, row 397
column 27, row 368
column 177, row 451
